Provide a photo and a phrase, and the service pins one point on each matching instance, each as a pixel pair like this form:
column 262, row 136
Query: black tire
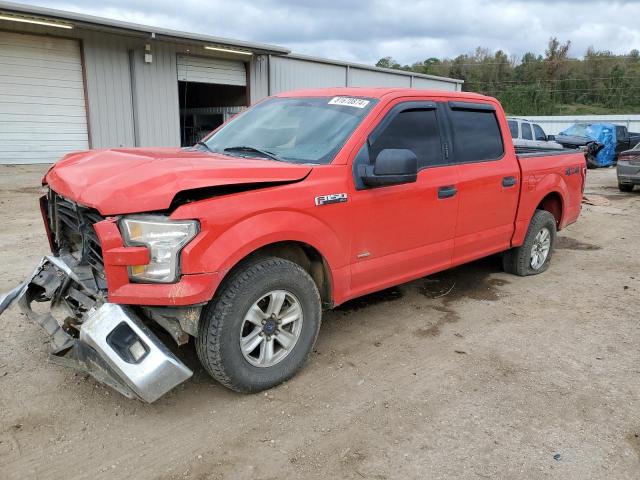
column 518, row 260
column 218, row 342
column 625, row 188
column 591, row 162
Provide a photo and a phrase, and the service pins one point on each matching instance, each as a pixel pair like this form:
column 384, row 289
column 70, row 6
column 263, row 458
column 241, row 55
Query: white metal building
column 71, row 82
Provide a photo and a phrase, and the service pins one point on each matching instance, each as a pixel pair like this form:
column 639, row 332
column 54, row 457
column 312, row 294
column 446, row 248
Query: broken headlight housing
column 164, row 238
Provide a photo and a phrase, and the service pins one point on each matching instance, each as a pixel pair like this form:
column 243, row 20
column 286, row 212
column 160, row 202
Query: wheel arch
column 296, row 236
column 554, row 204
column 301, row 253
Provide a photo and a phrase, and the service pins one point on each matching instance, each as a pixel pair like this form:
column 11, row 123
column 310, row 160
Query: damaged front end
column 106, row 340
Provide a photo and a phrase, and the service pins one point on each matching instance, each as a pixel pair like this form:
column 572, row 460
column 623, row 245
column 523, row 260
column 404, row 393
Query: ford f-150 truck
column 302, row 202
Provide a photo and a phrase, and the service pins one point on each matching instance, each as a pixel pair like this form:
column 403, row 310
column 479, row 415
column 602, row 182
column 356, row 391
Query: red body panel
column 378, row 238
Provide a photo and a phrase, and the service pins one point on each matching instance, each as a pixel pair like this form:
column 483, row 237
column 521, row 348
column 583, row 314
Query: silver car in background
column 628, row 169
column 530, row 137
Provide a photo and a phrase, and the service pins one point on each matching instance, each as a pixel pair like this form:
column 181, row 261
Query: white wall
column 552, row 125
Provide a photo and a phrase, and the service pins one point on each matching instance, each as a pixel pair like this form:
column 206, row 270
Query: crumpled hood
column 136, row 180
column 572, row 140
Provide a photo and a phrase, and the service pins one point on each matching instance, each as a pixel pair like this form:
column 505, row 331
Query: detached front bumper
column 106, row 340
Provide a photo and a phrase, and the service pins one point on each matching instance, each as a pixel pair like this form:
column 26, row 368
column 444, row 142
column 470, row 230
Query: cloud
column 366, row 30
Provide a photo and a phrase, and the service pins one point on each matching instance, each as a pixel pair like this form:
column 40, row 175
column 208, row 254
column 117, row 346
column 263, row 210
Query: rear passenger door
column 488, row 180
column 527, row 136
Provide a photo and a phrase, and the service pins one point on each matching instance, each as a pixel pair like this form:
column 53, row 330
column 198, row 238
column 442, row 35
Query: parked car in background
column 625, row 139
column 530, row 137
column 602, row 141
column 628, row 169
column 302, row 202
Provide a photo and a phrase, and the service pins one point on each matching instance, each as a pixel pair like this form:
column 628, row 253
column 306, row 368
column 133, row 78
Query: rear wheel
column 625, row 187
column 261, row 327
column 534, row 255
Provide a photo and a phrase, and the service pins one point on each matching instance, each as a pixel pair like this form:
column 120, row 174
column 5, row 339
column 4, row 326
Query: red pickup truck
column 302, row 202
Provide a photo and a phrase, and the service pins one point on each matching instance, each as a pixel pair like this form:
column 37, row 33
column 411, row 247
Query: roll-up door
column 42, row 104
column 211, row 70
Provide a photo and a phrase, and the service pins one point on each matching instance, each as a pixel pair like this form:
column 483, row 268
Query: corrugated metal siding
column 155, row 88
column 368, row 78
column 258, row 78
column 42, row 106
column 109, row 91
column 427, row 83
column 287, row 73
column 293, row 74
column 211, row 70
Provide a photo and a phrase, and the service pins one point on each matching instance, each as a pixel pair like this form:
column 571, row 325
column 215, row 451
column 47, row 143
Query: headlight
column 164, row 238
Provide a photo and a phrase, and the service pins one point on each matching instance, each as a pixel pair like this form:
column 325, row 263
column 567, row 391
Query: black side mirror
column 392, row 166
column 551, row 138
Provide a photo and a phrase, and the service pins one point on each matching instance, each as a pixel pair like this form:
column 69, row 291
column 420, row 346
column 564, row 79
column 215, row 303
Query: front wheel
column 261, row 327
column 534, row 255
column 625, row 187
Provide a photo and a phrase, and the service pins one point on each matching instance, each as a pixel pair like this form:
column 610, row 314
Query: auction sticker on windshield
column 349, row 102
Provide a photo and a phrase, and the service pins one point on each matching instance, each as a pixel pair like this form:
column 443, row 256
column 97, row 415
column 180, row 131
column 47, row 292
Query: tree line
column 551, row 84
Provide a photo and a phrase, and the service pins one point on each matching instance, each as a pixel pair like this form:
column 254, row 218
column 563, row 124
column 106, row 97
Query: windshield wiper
column 264, row 153
column 205, row 146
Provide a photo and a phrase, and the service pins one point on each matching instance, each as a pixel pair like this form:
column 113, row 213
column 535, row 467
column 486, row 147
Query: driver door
column 402, row 232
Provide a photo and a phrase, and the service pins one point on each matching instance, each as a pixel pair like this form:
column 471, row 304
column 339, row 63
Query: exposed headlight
column 164, row 238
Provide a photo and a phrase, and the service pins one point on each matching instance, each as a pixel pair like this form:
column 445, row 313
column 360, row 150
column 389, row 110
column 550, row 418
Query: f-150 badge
column 331, row 198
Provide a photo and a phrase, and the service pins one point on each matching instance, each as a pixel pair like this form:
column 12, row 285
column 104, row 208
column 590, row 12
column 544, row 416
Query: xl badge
column 332, row 198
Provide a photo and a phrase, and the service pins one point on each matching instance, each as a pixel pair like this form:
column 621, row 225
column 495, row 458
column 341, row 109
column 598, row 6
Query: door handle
column 509, row 181
column 447, row 191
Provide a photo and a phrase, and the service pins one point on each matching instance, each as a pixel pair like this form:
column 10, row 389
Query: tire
column 625, row 188
column 226, row 318
column 591, row 162
column 519, row 260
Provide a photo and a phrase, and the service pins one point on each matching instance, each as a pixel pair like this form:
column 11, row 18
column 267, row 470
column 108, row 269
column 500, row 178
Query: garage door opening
column 204, row 107
column 211, row 90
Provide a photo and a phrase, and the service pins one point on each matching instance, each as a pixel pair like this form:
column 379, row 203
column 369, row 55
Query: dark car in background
column 603, row 142
column 628, row 169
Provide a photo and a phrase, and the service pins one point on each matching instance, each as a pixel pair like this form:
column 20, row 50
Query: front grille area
column 73, row 233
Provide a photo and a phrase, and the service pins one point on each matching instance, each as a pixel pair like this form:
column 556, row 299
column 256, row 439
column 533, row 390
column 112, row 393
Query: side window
column 621, row 133
column 526, row 131
column 539, row 133
column 476, row 135
column 416, row 130
column 513, row 128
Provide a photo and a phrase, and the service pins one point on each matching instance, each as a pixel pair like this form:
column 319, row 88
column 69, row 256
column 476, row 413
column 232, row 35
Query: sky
column 367, row 30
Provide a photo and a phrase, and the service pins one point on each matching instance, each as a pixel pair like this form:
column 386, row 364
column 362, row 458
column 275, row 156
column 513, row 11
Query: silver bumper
column 106, row 340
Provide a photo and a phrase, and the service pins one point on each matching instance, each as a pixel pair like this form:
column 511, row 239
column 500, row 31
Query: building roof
column 310, row 58
column 99, row 23
column 379, row 92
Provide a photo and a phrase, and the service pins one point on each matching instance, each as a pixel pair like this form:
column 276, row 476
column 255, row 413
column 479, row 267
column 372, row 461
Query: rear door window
column 513, row 128
column 416, row 130
column 526, row 131
column 539, row 133
column 475, row 134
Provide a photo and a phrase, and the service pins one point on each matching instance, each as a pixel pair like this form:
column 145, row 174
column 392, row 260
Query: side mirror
column 551, row 138
column 392, row 166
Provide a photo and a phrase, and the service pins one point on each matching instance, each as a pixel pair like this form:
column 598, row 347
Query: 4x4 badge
column 331, row 198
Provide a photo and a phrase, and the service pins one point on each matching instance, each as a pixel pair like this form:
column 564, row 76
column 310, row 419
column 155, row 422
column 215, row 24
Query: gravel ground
column 502, row 377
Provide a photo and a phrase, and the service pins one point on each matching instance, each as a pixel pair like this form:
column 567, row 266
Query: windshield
column 578, row 130
column 299, row 130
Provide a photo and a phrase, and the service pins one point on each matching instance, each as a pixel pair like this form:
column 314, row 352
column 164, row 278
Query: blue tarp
column 604, row 133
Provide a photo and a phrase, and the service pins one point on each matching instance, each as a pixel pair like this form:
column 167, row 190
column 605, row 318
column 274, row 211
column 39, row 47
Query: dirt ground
column 502, row 377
